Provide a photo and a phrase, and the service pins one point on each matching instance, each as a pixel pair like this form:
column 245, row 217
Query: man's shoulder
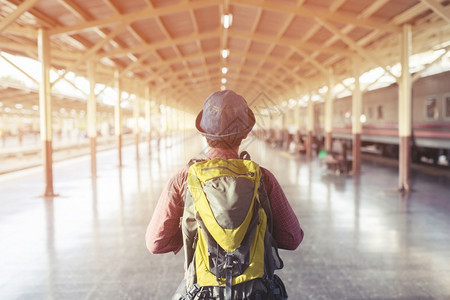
column 179, row 176
column 268, row 177
column 181, row 172
column 266, row 172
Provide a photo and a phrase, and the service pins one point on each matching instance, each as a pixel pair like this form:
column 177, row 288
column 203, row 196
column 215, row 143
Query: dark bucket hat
column 225, row 116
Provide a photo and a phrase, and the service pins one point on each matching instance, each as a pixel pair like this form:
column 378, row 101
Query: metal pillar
column 356, row 122
column 92, row 116
column 329, row 114
column 148, row 118
column 118, row 116
column 283, row 129
column 297, row 133
column 404, row 112
column 297, row 116
column 45, row 107
column 309, row 126
column 136, row 113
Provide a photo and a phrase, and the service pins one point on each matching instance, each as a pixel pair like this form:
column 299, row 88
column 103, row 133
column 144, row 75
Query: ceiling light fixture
column 225, row 53
column 224, row 70
column 227, row 20
column 222, row 88
column 224, row 80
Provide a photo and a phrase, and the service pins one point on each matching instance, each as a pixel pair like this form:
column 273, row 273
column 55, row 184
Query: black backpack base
column 257, row 289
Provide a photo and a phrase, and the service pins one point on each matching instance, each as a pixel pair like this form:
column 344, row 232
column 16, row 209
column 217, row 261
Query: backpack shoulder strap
column 244, row 155
column 264, row 200
column 193, row 161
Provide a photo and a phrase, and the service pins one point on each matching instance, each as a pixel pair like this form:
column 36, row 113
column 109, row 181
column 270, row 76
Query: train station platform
column 363, row 239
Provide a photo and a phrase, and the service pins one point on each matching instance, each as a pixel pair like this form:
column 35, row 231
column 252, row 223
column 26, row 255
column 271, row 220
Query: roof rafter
column 326, row 15
column 132, row 17
column 443, row 12
column 91, row 52
column 358, row 49
column 292, row 43
column 23, row 7
column 161, row 44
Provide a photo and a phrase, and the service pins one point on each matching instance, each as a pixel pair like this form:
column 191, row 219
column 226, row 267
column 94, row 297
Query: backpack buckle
column 193, row 292
column 228, row 261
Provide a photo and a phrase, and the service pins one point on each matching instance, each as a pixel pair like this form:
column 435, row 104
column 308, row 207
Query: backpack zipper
column 226, row 168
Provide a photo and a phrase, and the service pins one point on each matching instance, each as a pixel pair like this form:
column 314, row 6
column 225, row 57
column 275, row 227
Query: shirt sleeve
column 286, row 228
column 163, row 232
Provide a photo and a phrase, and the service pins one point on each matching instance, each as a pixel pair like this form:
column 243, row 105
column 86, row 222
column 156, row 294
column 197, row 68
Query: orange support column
column 309, row 127
column 148, row 118
column 329, row 114
column 136, row 115
column 92, row 117
column 404, row 113
column 45, row 107
column 356, row 124
column 118, row 117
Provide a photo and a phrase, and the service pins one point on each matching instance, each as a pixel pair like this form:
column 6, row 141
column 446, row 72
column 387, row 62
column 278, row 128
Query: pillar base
column 404, row 164
column 149, row 140
column 48, row 168
column 328, row 141
column 93, row 156
column 136, row 140
column 309, row 144
column 356, row 153
column 119, row 149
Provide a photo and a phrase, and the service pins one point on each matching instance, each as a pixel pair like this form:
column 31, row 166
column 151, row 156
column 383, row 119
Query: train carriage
column 430, row 119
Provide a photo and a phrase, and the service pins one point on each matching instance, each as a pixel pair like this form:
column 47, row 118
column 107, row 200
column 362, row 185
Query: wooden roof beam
column 41, row 18
column 279, row 35
column 19, row 69
column 197, row 41
column 314, row 62
column 91, row 52
column 207, row 78
column 374, row 7
column 76, row 10
column 170, row 38
column 206, row 75
column 426, row 67
column 168, row 62
column 25, row 32
column 410, row 13
column 23, row 7
column 249, row 42
column 336, row 5
column 364, row 14
column 440, row 10
column 291, row 43
column 351, row 43
column 132, row 17
column 206, row 55
column 161, row 44
column 325, row 15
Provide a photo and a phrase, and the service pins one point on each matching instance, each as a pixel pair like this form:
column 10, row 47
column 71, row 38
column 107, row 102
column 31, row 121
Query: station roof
column 283, row 48
column 24, row 101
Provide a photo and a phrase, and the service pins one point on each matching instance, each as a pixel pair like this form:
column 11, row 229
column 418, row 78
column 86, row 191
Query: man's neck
column 223, row 152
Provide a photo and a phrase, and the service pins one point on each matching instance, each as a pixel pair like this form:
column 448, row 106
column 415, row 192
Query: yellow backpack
column 229, row 250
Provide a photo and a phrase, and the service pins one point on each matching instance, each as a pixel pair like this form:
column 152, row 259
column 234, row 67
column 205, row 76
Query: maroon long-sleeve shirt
column 164, row 233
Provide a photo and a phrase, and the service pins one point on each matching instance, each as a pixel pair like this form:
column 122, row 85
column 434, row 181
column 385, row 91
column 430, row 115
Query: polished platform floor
column 363, row 239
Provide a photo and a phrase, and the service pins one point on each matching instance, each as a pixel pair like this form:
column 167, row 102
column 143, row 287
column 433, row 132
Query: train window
column 431, row 108
column 380, row 112
column 370, row 113
column 447, row 106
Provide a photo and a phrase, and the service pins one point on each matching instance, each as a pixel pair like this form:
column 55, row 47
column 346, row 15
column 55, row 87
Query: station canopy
column 184, row 50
